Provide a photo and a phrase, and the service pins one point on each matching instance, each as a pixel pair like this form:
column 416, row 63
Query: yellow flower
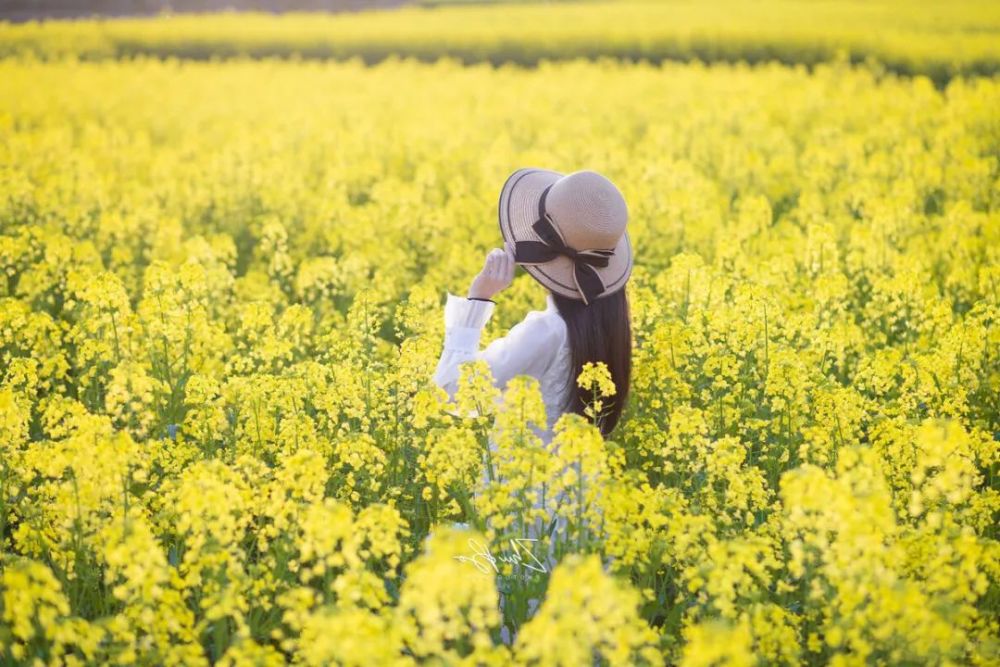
column 587, row 615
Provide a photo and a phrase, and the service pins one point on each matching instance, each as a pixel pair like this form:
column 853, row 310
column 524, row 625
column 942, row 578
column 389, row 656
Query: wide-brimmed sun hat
column 567, row 230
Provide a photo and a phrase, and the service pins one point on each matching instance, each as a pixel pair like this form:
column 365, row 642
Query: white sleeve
column 527, row 349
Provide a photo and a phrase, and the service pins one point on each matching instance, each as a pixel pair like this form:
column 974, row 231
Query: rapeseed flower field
column 931, row 37
column 221, row 308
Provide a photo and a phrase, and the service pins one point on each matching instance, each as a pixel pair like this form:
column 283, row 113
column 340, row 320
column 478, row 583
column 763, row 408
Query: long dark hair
column 599, row 331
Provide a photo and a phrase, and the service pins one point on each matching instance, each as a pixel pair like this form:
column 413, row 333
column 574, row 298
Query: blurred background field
column 225, row 241
column 927, row 37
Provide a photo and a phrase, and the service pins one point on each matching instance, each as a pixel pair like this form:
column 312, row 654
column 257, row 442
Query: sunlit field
column 936, row 38
column 221, row 308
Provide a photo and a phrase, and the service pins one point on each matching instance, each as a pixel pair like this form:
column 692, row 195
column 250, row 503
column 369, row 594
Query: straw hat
column 568, row 231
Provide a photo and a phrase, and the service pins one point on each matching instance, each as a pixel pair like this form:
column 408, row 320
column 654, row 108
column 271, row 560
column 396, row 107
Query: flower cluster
column 220, row 314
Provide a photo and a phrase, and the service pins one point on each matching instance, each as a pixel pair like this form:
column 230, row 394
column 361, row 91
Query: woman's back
column 538, row 346
column 555, row 381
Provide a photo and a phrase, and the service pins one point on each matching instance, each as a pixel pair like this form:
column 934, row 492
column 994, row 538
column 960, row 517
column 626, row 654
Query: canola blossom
column 937, row 38
column 221, row 308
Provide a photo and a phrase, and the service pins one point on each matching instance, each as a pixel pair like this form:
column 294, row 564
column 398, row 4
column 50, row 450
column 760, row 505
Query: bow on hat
column 551, row 245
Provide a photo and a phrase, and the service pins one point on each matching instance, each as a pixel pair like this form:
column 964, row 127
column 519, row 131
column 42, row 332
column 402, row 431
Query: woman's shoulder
column 547, row 323
column 552, row 335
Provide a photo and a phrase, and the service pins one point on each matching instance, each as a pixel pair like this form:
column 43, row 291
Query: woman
column 568, row 231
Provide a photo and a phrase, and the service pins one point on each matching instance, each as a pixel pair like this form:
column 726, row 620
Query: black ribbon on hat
column 588, row 282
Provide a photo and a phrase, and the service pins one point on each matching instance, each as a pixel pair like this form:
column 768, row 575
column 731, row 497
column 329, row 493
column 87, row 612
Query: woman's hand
column 497, row 273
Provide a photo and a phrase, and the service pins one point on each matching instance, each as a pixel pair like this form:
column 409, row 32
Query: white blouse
column 537, row 346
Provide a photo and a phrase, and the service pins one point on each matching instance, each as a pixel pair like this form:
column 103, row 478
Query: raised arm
column 527, row 349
